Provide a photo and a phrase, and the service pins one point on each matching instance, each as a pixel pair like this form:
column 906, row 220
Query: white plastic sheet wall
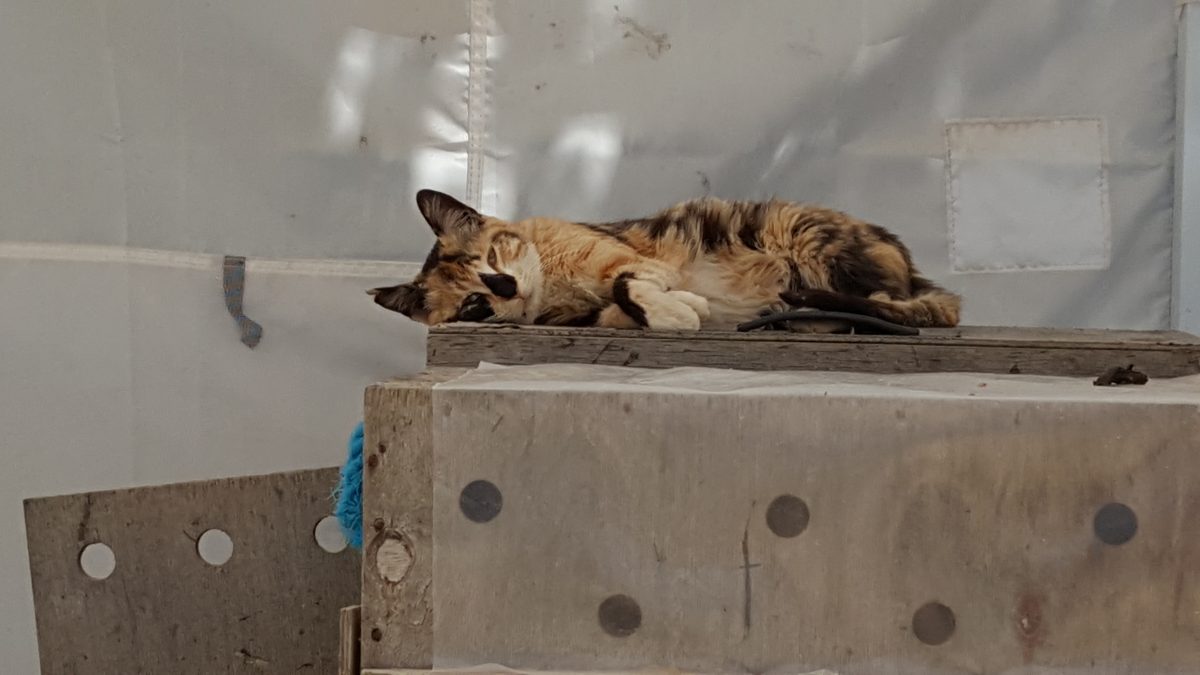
column 144, row 138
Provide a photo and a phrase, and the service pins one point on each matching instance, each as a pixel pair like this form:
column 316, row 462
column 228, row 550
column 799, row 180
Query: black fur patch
column 795, row 281
column 853, row 271
column 475, row 308
column 620, row 291
column 458, row 258
column 552, row 318
column 407, row 299
column 659, row 226
column 832, row 302
column 714, row 232
column 615, row 229
column 503, row 285
column 431, row 260
column 754, row 216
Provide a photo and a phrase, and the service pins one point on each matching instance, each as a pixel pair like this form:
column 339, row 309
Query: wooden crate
column 1032, row 351
column 1007, row 499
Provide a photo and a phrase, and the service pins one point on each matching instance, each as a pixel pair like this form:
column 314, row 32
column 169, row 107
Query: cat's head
column 480, row 269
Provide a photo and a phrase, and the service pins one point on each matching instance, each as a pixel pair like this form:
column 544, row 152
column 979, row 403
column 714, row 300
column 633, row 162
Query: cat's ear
column 408, row 299
column 447, row 215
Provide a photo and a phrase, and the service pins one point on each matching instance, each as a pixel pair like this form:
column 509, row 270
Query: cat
column 700, row 262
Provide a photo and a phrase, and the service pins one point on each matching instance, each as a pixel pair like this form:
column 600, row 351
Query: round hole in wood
column 97, row 561
column 1115, row 524
column 480, row 501
column 328, row 535
column 620, row 615
column 933, row 623
column 215, row 547
column 787, row 516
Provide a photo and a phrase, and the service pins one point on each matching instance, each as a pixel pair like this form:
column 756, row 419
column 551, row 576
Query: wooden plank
column 397, row 571
column 513, row 671
column 349, row 651
column 983, row 504
column 271, row 608
column 1071, row 353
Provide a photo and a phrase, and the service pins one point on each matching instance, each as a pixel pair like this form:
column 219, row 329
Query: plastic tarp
column 143, row 140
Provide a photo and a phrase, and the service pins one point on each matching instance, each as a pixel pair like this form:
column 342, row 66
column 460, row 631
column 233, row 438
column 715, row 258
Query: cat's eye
column 475, row 307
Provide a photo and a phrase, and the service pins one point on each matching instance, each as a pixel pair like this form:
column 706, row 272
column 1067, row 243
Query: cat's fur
column 698, row 262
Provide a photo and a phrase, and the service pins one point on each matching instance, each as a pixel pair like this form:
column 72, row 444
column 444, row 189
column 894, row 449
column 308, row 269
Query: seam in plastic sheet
column 1098, row 260
column 1185, row 244
column 477, row 98
column 234, row 282
column 96, row 253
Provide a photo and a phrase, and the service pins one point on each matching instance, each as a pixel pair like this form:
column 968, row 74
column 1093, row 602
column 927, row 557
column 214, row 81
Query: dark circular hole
column 480, row 501
column 787, row 516
column 376, row 634
column 1115, row 524
column 933, row 623
column 620, row 615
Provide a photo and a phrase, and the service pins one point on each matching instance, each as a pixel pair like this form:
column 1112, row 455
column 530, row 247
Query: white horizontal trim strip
column 95, row 253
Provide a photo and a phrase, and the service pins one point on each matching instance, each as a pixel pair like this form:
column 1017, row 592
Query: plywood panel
column 397, row 571
column 271, row 608
column 986, row 497
column 349, row 652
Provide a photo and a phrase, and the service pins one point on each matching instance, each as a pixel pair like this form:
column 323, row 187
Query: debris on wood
column 1121, row 375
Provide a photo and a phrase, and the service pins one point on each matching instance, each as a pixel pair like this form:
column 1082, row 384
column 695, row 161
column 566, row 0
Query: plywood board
column 397, row 571
column 1033, row 351
column 510, row 671
column 949, row 524
column 271, row 608
column 349, row 652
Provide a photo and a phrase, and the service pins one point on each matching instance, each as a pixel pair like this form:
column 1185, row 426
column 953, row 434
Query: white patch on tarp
column 1027, row 194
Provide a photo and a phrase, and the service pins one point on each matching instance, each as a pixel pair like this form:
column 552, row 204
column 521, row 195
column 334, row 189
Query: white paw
column 684, row 319
column 666, row 313
column 698, row 303
column 667, row 310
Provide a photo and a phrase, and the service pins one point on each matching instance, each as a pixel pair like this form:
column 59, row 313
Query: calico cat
column 705, row 261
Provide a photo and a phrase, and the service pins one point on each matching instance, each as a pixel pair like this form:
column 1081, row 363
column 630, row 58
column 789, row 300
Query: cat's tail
column 928, row 306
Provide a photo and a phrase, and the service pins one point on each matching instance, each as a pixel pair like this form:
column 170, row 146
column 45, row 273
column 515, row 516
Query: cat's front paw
column 698, row 303
column 678, row 317
column 664, row 311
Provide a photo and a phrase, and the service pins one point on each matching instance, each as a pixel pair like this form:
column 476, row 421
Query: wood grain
column 272, row 608
column 499, row 671
column 985, row 505
column 1034, row 351
column 397, row 570
column 349, row 651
